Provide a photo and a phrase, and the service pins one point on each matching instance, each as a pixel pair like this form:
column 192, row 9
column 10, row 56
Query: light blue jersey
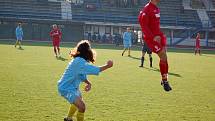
column 19, row 33
column 127, row 39
column 76, row 72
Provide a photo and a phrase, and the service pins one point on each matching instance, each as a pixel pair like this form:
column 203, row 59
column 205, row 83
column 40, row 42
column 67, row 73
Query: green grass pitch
column 28, row 86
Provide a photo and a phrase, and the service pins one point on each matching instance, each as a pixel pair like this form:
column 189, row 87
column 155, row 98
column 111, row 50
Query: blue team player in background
column 127, row 41
column 19, row 35
column 76, row 72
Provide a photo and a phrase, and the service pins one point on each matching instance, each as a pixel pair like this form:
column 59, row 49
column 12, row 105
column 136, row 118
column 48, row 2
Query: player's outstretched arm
column 109, row 64
column 89, row 69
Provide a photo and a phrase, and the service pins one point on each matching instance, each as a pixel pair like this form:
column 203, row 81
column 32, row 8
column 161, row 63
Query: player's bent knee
column 82, row 108
column 162, row 55
column 79, row 103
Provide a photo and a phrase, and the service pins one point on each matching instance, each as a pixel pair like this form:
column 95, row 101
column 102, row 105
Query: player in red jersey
column 197, row 48
column 56, row 35
column 149, row 19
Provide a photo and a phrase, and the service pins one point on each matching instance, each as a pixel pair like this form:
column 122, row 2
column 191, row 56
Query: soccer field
column 28, row 90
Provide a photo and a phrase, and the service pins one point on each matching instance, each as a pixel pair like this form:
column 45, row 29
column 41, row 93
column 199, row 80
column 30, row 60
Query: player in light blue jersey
column 76, row 72
column 19, row 35
column 127, row 41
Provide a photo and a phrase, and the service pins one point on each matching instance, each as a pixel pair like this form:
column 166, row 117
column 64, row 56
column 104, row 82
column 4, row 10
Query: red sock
column 58, row 49
column 55, row 51
column 164, row 69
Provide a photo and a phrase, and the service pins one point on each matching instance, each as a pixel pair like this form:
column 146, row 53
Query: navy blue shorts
column 145, row 49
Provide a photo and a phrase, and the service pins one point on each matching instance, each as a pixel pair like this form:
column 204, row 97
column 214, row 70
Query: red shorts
column 156, row 46
column 197, row 46
column 56, row 43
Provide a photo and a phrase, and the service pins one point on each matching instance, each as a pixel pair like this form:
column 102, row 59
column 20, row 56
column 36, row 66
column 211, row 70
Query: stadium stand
column 211, row 14
column 197, row 4
column 171, row 14
column 181, row 16
column 30, row 9
column 108, row 13
column 37, row 18
column 213, row 2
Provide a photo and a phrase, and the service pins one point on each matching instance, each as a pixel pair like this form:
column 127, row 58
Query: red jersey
column 198, row 42
column 55, row 34
column 149, row 19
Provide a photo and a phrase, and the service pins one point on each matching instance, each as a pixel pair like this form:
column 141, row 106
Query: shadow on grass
column 61, row 58
column 132, row 57
column 157, row 70
column 20, row 48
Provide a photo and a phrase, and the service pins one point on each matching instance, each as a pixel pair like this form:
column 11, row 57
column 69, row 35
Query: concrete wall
column 39, row 30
